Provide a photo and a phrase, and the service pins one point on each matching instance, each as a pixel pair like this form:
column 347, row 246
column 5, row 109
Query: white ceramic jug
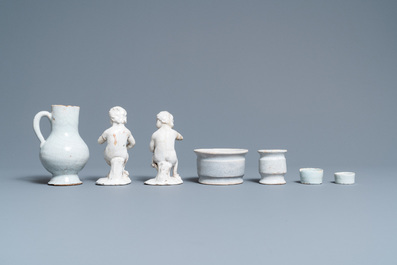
column 64, row 153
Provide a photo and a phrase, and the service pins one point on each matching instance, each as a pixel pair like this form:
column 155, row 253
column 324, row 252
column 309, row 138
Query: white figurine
column 164, row 155
column 118, row 139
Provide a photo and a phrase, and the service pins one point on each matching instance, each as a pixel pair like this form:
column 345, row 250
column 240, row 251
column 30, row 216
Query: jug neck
column 65, row 117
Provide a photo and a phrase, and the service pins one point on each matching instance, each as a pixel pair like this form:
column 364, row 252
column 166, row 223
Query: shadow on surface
column 141, row 178
column 39, row 179
column 256, row 181
column 191, row 179
column 91, row 179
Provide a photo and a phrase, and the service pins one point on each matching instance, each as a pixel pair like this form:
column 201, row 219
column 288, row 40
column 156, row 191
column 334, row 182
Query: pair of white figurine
column 119, row 139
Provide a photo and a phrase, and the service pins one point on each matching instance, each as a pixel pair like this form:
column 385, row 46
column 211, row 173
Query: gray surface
column 199, row 224
column 315, row 77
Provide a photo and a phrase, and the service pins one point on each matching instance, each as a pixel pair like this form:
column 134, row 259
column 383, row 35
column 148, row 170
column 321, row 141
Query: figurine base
column 65, row 180
column 220, row 181
column 273, row 180
column 113, row 182
column 166, row 181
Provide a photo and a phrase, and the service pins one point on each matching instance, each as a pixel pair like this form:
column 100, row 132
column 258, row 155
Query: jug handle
column 36, row 125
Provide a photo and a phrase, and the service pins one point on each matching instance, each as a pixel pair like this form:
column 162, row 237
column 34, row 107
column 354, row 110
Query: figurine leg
column 116, row 168
column 176, row 178
column 175, row 170
column 117, row 174
column 163, row 175
column 154, row 164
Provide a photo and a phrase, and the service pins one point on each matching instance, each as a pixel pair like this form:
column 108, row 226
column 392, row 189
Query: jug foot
column 65, row 180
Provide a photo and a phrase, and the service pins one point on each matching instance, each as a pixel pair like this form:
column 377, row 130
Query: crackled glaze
column 63, row 153
column 272, row 166
column 311, row 175
column 220, row 166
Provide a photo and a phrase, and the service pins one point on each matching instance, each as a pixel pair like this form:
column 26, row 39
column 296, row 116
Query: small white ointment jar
column 311, row 175
column 346, row 178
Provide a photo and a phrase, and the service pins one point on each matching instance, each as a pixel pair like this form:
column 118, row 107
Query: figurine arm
column 131, row 142
column 179, row 136
column 151, row 145
column 102, row 139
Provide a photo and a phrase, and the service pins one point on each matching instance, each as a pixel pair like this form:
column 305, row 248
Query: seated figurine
column 164, row 155
column 118, row 139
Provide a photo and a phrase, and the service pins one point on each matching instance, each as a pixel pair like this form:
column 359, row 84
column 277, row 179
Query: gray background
column 315, row 77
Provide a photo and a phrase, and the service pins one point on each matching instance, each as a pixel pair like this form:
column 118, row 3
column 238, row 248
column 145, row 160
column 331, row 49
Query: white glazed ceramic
column 119, row 139
column 221, row 166
column 64, row 153
column 345, row 177
column 162, row 144
column 272, row 166
column 311, row 175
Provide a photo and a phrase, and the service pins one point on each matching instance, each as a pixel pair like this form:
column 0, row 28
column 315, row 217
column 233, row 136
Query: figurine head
column 164, row 117
column 118, row 115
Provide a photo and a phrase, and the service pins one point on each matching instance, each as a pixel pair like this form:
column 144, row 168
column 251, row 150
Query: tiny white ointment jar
column 346, row 178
